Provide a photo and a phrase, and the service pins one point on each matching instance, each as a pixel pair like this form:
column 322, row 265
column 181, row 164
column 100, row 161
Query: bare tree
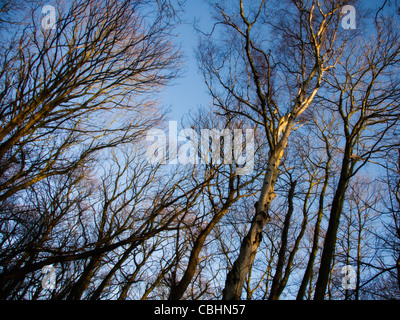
column 78, row 87
column 75, row 104
column 223, row 188
column 324, row 128
column 253, row 74
column 79, row 194
column 364, row 95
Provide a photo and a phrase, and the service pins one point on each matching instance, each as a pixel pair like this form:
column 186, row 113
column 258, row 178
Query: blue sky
column 189, row 91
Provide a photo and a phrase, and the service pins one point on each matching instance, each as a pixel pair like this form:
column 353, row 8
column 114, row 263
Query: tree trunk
column 97, row 293
column 334, row 219
column 178, row 290
column 308, row 273
column 398, row 271
column 84, row 280
column 248, row 249
column 292, row 254
column 282, row 251
column 359, row 257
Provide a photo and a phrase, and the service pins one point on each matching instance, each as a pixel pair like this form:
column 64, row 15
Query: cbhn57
column 206, row 150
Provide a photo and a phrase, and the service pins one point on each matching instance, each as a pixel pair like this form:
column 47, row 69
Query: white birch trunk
column 236, row 277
